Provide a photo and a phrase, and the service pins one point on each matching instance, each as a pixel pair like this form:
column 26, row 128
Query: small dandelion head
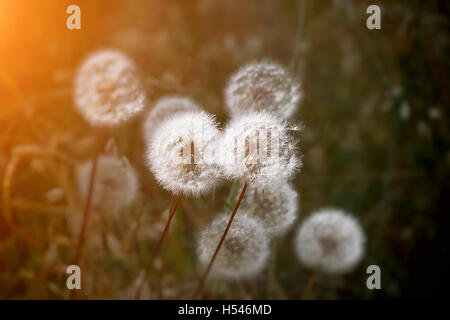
column 264, row 86
column 330, row 240
column 180, row 154
column 258, row 149
column 163, row 109
column 116, row 183
column 275, row 206
column 244, row 252
column 108, row 91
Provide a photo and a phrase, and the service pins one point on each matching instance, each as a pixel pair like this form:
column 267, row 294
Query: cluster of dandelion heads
column 263, row 86
column 181, row 154
column 108, row 90
column 330, row 240
column 116, row 183
column 165, row 108
column 257, row 148
column 275, row 206
column 244, row 252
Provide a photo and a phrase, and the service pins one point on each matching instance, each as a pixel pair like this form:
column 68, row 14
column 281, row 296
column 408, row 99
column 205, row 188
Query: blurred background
column 376, row 140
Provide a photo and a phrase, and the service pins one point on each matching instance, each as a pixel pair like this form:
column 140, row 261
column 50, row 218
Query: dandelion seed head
column 116, row 183
column 330, row 240
column 108, row 91
column 244, row 252
column 163, row 109
column 262, row 86
column 275, row 206
column 257, row 148
column 180, row 154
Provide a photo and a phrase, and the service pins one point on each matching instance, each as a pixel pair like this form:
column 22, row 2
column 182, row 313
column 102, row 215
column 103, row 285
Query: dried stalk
column 213, row 258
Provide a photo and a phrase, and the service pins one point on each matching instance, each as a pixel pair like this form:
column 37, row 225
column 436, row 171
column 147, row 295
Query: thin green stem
column 299, row 36
column 309, row 286
column 87, row 207
column 272, row 282
column 213, row 258
column 173, row 208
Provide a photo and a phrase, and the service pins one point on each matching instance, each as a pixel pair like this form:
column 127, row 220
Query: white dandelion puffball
column 244, row 251
column 275, row 206
column 180, row 154
column 262, row 86
column 330, row 240
column 163, row 109
column 257, row 148
column 108, row 91
column 116, row 183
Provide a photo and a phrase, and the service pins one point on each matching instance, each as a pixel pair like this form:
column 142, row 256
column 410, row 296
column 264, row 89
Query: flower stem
column 100, row 138
column 176, row 198
column 303, row 8
column 309, row 285
column 208, row 269
column 272, row 281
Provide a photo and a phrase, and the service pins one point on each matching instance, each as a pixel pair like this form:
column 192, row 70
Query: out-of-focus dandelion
column 404, row 111
column 245, row 250
column 262, row 86
column 108, row 91
column 116, row 183
column 275, row 206
column 330, row 241
column 163, row 109
column 434, row 113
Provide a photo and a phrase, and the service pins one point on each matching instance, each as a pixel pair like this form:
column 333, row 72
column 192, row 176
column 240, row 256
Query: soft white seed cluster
column 244, row 252
column 258, row 149
column 262, row 86
column 108, row 91
column 116, row 183
column 180, row 154
column 330, row 240
column 275, row 207
column 188, row 153
column 165, row 108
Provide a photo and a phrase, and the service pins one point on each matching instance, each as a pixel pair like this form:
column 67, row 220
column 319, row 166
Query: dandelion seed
column 275, row 206
column 180, row 154
column 434, row 113
column 258, row 149
column 262, row 86
column 404, row 111
column 165, row 108
column 108, row 91
column 330, row 240
column 244, row 252
column 116, row 183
